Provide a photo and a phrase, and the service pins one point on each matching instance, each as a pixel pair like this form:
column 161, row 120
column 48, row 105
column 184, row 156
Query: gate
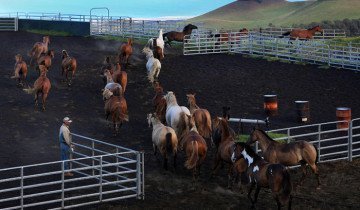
column 9, row 24
column 102, row 172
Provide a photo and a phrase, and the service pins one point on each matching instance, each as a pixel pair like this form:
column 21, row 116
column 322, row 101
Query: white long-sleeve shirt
column 64, row 135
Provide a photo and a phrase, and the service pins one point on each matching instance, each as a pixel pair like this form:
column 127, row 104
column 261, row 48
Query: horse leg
column 44, row 96
column 154, row 148
column 304, row 171
column 36, row 99
column 165, row 162
column 230, row 176
column 278, row 202
column 315, row 170
column 175, row 156
column 256, row 193
column 216, row 166
column 249, row 194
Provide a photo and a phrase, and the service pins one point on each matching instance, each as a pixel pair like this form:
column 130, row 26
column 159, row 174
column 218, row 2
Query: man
column 66, row 144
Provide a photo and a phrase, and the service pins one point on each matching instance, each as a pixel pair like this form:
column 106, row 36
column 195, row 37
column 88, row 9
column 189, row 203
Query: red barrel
column 343, row 113
column 302, row 111
column 270, row 105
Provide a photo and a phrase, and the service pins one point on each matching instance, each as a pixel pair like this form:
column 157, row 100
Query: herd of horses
column 188, row 129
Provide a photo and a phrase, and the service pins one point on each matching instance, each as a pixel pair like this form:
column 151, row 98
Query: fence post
column 62, row 184
column 143, row 174
column 350, row 132
column 100, row 179
column 288, row 135
column 22, row 187
column 92, row 155
column 117, row 164
column 138, row 175
column 319, row 142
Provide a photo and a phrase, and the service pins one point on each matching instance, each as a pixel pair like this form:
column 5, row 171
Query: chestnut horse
column 120, row 77
column 289, row 154
column 41, row 86
column 39, row 48
column 264, row 174
column 68, row 64
column 159, row 102
column 45, row 59
column 20, row 70
column 201, row 116
column 164, row 139
column 115, row 106
column 125, row 51
column 303, row 33
column 178, row 36
column 195, row 149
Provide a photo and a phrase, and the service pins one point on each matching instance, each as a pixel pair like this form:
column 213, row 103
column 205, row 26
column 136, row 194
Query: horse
column 289, row 154
column 201, row 116
column 20, row 70
column 41, row 86
column 159, row 102
column 303, row 33
column 107, row 65
column 164, row 139
column 178, row 36
column 39, row 48
column 264, row 174
column 216, row 131
column 157, row 45
column 175, row 115
column 125, row 51
column 153, row 65
column 115, row 88
column 195, row 149
column 45, row 59
column 68, row 64
column 120, row 77
column 115, row 106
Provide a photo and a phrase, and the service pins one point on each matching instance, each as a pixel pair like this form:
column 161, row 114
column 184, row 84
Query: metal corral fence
column 102, row 172
column 46, row 16
column 327, row 33
column 9, row 24
column 312, row 51
column 332, row 143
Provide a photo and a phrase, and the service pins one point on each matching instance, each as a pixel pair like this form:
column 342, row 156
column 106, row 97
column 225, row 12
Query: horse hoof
column 318, row 188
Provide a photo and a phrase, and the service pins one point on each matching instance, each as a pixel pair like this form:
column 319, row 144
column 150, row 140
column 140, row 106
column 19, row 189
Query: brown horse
column 115, row 106
column 195, row 149
column 120, row 77
column 41, row 86
column 39, row 48
column 264, row 174
column 164, row 139
column 125, row 51
column 201, row 116
column 45, row 59
column 216, row 129
column 159, row 102
column 20, row 70
column 178, row 36
column 303, row 33
column 288, row 154
column 68, row 64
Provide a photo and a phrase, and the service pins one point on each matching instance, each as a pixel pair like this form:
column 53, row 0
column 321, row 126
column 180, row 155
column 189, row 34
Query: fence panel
column 8, row 24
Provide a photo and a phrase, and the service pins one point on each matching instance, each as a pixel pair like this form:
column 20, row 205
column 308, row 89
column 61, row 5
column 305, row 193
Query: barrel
column 302, row 111
column 343, row 113
column 270, row 105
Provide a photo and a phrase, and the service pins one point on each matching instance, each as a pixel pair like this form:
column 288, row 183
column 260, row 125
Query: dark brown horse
column 195, row 149
column 20, row 70
column 178, row 36
column 159, row 102
column 287, row 154
column 41, row 86
column 68, row 64
column 120, row 77
column 45, row 59
column 125, row 51
column 39, row 48
column 264, row 174
column 303, row 33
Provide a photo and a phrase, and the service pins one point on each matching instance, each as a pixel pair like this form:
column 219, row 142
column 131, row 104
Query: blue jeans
column 65, row 155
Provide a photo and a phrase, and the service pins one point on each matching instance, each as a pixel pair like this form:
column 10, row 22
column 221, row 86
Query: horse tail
column 29, row 90
column 191, row 162
column 317, row 154
column 285, row 34
column 207, row 124
column 169, row 147
column 286, row 186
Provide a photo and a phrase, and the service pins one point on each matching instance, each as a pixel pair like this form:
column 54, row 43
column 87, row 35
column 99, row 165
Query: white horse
column 164, row 139
column 153, row 65
column 176, row 115
column 159, row 42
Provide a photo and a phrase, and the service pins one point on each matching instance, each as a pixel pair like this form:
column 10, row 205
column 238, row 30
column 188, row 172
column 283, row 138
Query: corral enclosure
column 218, row 80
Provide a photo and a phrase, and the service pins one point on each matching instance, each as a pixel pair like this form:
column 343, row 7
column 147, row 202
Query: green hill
column 260, row 13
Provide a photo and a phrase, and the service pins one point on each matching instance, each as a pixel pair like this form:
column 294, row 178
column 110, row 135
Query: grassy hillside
column 255, row 13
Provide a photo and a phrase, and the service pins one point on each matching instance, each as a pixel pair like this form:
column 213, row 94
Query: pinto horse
column 201, row 116
column 68, row 64
column 175, row 115
column 120, row 77
column 39, row 48
column 303, row 33
column 45, row 59
column 164, row 139
column 153, row 65
column 178, row 36
column 264, row 174
column 195, row 149
column 126, row 51
column 288, row 154
column 41, row 86
column 20, row 70
column 157, row 45
column 159, row 102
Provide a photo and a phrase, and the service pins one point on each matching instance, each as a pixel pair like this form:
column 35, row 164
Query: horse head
column 64, row 54
column 226, row 112
column 107, row 94
column 238, row 148
column 170, row 98
column 51, row 53
column 191, row 98
column 18, row 58
column 254, row 136
column 161, row 34
column 188, row 29
column 46, row 39
column 148, row 52
column 130, row 42
column 318, row 29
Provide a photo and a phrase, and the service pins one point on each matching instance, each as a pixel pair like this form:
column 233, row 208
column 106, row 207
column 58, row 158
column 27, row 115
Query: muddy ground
column 29, row 135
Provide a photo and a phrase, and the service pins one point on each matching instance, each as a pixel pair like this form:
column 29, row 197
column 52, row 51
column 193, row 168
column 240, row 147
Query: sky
column 131, row 8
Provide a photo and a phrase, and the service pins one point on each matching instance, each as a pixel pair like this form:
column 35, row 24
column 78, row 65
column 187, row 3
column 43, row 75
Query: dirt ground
column 29, row 135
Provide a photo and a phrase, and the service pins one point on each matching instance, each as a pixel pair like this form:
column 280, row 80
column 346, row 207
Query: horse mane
column 170, row 98
column 309, row 29
column 265, row 134
column 182, row 126
column 148, row 52
column 161, row 34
